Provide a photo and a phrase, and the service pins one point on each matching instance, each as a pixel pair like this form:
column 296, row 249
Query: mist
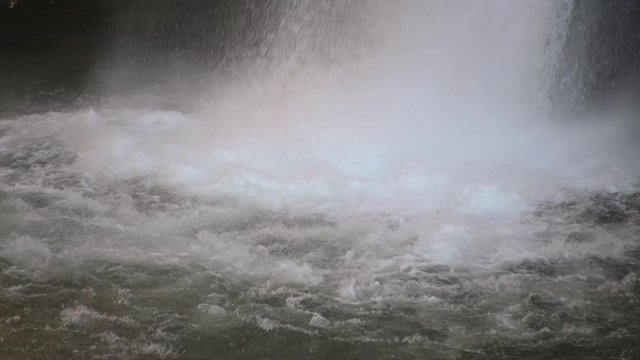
column 324, row 179
column 419, row 105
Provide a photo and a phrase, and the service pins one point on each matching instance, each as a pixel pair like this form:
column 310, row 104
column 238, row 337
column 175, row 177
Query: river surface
column 113, row 267
column 321, row 181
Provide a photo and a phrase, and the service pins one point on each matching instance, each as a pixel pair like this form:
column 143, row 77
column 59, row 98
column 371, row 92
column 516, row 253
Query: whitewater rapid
column 133, row 263
column 416, row 196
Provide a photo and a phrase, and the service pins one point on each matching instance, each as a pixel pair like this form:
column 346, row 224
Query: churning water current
column 417, row 201
column 100, row 264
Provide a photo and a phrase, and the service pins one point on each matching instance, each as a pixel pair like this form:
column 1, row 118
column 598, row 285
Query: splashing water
column 405, row 190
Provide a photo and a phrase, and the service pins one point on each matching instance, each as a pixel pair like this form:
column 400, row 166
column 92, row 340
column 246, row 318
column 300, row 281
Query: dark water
column 407, row 207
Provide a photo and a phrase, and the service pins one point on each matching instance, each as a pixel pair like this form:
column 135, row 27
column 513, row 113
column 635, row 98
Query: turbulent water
column 417, row 201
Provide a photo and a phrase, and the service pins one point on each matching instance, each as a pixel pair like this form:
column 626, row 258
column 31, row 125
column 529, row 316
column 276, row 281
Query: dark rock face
column 158, row 44
column 53, row 23
column 89, row 47
column 161, row 43
column 601, row 56
column 48, row 48
column 48, row 45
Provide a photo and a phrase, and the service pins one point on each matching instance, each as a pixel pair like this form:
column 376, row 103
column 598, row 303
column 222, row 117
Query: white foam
column 319, row 321
column 82, row 316
column 27, row 252
column 213, row 310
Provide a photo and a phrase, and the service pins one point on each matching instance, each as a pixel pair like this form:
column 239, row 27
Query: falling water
column 323, row 180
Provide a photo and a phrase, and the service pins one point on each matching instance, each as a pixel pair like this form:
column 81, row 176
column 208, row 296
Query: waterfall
column 415, row 105
column 328, row 179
